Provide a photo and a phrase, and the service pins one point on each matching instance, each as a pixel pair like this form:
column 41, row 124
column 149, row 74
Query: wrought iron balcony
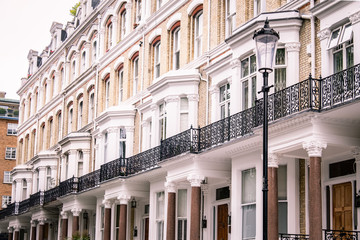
column 115, row 168
column 144, row 161
column 24, row 206
column 35, row 199
column 89, row 180
column 51, row 194
column 283, row 236
column 341, row 235
column 68, row 186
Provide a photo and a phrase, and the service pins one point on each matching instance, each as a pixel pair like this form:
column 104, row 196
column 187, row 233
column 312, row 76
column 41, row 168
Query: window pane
column 245, row 94
column 253, row 90
column 252, row 64
column 184, row 104
column 182, row 202
column 333, row 41
column 160, row 198
column 338, row 61
column 280, row 56
column 249, row 221
column 280, row 79
column 282, row 182
column 244, row 67
column 350, row 56
column 347, row 33
column 249, row 186
column 282, row 210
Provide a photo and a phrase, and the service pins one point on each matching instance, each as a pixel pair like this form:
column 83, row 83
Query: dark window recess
column 222, row 193
column 63, row 35
column 39, row 62
column 147, row 207
column 342, row 168
column 94, row 3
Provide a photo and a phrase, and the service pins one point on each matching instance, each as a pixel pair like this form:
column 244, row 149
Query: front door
column 342, row 207
column 222, row 222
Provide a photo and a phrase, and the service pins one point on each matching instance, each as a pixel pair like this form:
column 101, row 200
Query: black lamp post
column 266, row 43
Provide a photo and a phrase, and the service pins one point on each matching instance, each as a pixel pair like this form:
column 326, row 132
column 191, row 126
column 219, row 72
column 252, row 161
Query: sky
column 25, row 25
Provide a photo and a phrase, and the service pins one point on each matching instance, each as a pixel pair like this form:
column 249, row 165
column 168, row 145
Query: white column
column 173, row 116
column 129, row 141
column 128, row 7
column 355, row 22
column 235, row 88
column 112, row 144
column 98, row 159
column 326, row 68
column 214, row 94
column 293, row 59
column 193, row 109
column 72, row 167
column 42, row 177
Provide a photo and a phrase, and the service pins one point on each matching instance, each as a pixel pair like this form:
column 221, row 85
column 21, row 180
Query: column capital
column 193, row 97
column 274, row 160
column 112, row 130
column 195, row 180
column 76, row 211
column 33, row 223
column 29, row 180
column 124, row 199
column 10, row 229
column 170, row 187
column 153, row 107
column 17, row 228
column 355, row 18
column 314, row 147
column 169, row 99
column 64, row 214
column 324, row 34
column 235, row 63
column 293, row 47
column 356, row 153
column 42, row 221
column 107, row 203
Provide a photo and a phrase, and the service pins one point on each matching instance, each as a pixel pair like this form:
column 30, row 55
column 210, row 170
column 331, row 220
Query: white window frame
column 7, row 177
column 121, row 84
column 109, row 35
column 157, row 59
column 198, row 33
column 176, row 48
column 51, row 127
column 230, row 16
column 122, row 142
column 282, row 86
column 10, row 153
column 58, row 119
column 135, row 74
column 106, row 139
column 182, row 219
column 70, row 118
column 80, row 113
column 123, row 24
column 80, row 164
column 107, row 93
column 12, row 129
column 162, row 121
column 73, row 70
column 248, row 93
column 138, row 11
column 94, row 51
column 159, row 218
column 244, row 205
column 224, row 101
column 48, row 178
column 6, row 200
column 158, row 4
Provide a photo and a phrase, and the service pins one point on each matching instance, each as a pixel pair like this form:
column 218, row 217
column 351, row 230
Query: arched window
column 73, row 70
column 83, row 61
column 91, row 106
column 157, row 55
column 109, row 32
column 107, row 92
column 135, row 72
column 42, row 137
column 80, row 114
column 198, row 33
column 121, row 84
column 94, row 50
column 122, row 21
column 51, row 128
column 175, row 46
column 59, row 127
column 70, row 118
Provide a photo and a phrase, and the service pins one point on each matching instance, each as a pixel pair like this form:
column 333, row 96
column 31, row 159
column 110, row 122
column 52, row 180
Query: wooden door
column 222, row 222
column 342, row 207
column 146, row 229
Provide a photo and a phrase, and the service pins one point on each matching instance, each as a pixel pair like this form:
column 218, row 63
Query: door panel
column 342, row 206
column 222, row 224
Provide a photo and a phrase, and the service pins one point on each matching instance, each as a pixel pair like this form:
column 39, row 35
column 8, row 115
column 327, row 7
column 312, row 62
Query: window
column 51, row 127
column 248, row 203
column 248, row 79
column 53, row 92
column 109, row 32
column 45, row 93
column 80, row 169
column 280, row 70
column 73, row 70
column 182, row 214
column 137, row 11
column 176, row 48
column 7, row 177
column 282, row 198
column 66, row 166
column 224, row 101
column 94, row 49
column 123, row 24
column 11, row 129
column 37, row 187
column 105, row 147
column 122, row 143
column 157, row 59
column 121, row 84
column 102, row 222
column 184, row 114
column 162, row 121
column 62, row 73
column 160, row 206
column 117, row 221
column 80, row 114
column 230, row 16
column 59, row 133
column 107, row 93
column 70, row 119
column 341, row 44
column 48, row 178
column 83, row 61
column 257, row 7
column 135, row 74
column 91, row 107
column 198, row 31
column 42, row 137
column 24, row 189
column 6, row 200
column 10, row 153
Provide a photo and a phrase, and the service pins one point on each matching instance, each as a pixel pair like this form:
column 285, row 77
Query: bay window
column 248, row 81
column 162, row 121
column 184, row 114
column 224, row 101
column 280, row 70
column 122, row 143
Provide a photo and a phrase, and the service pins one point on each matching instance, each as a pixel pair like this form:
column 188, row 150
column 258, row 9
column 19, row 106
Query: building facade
column 142, row 119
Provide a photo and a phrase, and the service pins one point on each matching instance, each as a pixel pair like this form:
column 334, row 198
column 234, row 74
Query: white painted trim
column 81, row 91
column 71, row 99
column 91, row 83
column 133, row 50
column 175, row 18
column 193, row 5
column 105, row 72
column 119, row 61
column 109, row 12
column 82, row 39
column 154, row 34
column 118, row 5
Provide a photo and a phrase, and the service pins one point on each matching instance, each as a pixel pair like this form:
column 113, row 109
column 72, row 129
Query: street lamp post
column 266, row 43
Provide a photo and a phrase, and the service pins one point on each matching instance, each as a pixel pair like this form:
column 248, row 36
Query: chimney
column 2, row 94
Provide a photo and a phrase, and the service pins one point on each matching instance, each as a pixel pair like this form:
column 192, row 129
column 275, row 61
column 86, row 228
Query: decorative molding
column 76, row 211
column 195, row 180
column 107, row 203
column 293, row 47
column 112, row 130
column 129, row 129
column 324, row 34
column 170, row 187
column 124, row 199
column 170, row 99
column 193, row 97
column 42, row 221
column 356, row 153
column 355, row 18
column 205, row 189
column 314, row 147
column 235, row 63
column 273, row 160
column 64, row 215
column 214, row 89
column 33, row 223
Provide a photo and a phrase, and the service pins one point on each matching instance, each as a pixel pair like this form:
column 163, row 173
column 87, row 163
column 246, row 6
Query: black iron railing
column 341, row 235
column 35, row 199
column 176, row 145
column 144, row 161
column 89, row 181
column 51, row 194
column 24, row 206
column 68, row 186
column 285, row 236
column 115, row 168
